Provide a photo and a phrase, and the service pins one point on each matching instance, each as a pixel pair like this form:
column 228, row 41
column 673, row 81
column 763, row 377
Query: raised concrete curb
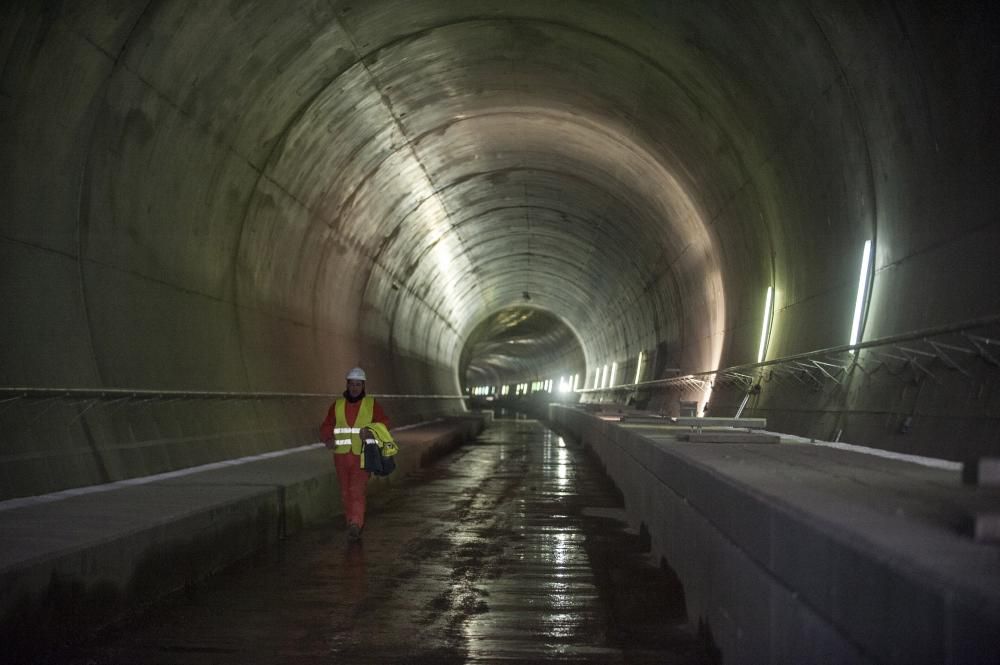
column 74, row 564
column 792, row 553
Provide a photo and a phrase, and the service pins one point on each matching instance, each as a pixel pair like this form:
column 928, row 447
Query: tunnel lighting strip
column 614, row 370
column 764, row 328
column 862, row 288
column 638, row 368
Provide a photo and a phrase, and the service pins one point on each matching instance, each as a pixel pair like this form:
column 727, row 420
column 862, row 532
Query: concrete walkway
column 80, row 559
column 792, row 552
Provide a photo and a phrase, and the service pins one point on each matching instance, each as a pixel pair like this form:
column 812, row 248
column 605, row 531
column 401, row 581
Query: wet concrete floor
column 510, row 550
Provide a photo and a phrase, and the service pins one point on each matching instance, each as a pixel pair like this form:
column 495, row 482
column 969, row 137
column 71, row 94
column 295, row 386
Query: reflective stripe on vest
column 345, row 434
column 347, row 431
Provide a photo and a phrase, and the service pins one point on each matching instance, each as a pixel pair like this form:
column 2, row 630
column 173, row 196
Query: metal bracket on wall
column 807, row 370
column 840, row 369
column 910, row 356
column 926, row 353
column 978, row 342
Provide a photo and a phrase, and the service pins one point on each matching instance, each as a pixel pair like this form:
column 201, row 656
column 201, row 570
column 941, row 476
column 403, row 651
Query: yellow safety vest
column 346, row 437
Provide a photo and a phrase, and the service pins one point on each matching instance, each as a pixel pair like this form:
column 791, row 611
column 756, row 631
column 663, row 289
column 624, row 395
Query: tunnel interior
column 519, row 343
column 256, row 196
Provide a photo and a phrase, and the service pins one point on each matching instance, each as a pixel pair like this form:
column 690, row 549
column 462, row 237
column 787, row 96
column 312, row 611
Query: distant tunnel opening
column 519, row 344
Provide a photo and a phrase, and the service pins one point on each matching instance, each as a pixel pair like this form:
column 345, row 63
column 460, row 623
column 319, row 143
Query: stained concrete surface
column 70, row 562
column 254, row 196
column 800, row 553
column 511, row 549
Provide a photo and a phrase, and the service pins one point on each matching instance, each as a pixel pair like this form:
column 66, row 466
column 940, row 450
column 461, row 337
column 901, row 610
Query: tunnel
column 253, row 197
column 665, row 204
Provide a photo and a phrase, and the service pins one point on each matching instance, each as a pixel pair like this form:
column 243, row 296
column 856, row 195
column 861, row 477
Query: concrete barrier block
column 986, row 527
column 982, row 471
column 729, row 437
column 845, row 581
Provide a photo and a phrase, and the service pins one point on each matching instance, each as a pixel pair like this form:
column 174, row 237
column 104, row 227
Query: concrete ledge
column 729, row 437
column 72, row 565
column 747, row 423
column 986, row 527
column 799, row 553
column 982, row 471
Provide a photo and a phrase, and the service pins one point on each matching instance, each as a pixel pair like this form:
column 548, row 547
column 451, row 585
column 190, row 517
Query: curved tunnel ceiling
column 266, row 192
column 481, row 181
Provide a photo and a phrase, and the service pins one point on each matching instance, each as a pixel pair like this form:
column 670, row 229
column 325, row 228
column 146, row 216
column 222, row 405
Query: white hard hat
column 357, row 374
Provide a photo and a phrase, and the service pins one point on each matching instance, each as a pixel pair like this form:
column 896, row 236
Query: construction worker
column 343, row 431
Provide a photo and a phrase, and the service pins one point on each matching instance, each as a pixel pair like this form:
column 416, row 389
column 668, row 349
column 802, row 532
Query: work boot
column 353, row 531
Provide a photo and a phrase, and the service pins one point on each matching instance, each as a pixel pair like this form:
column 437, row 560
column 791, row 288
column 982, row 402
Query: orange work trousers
column 353, row 487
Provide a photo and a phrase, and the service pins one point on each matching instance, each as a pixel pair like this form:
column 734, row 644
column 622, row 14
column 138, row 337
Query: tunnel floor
column 512, row 549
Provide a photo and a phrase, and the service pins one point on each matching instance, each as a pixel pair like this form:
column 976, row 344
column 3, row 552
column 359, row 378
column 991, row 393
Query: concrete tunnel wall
column 255, row 196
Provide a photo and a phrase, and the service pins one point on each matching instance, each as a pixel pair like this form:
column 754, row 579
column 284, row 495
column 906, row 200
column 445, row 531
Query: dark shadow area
column 646, row 605
column 645, row 542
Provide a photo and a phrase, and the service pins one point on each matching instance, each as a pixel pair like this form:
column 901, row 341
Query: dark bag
column 377, row 463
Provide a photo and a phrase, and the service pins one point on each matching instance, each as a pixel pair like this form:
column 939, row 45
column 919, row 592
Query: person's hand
column 366, row 434
column 329, row 444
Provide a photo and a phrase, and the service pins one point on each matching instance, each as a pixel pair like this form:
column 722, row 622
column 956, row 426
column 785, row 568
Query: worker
column 344, row 432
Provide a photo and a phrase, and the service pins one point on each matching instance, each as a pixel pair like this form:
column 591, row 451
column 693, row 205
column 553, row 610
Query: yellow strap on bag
column 385, row 440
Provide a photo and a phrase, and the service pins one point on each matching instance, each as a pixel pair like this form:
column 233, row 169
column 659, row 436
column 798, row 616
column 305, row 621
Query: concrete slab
column 987, row 527
column 982, row 471
column 748, row 423
column 640, row 418
column 729, row 437
column 867, row 554
column 69, row 525
column 87, row 556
